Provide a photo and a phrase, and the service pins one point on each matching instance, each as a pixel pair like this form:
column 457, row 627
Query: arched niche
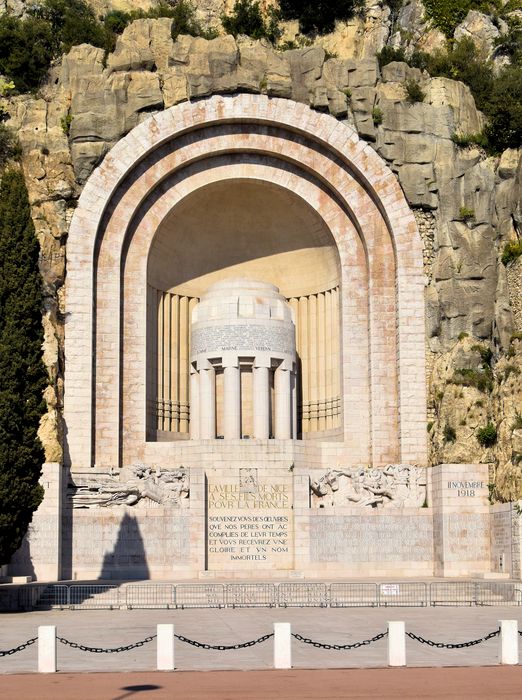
column 132, row 200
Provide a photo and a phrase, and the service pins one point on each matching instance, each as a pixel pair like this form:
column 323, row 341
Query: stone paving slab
column 486, row 683
column 120, row 627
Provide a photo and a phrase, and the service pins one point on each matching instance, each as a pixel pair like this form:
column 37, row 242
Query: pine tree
column 22, row 373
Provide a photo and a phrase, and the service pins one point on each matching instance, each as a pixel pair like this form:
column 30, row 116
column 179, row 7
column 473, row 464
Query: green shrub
column 449, row 433
column 247, row 18
column 466, row 214
column 465, row 140
column 481, row 379
column 414, row 92
column 116, row 21
column 27, row 47
column 503, row 107
column 509, row 370
column 499, row 97
column 512, row 251
column 72, row 22
column 446, row 14
column 510, row 43
column 65, row 123
column 377, row 116
column 487, row 436
column 462, row 335
column 320, row 17
column 388, row 55
column 9, row 146
column 486, row 354
column 22, row 374
column 184, row 21
column 516, row 336
column 395, row 6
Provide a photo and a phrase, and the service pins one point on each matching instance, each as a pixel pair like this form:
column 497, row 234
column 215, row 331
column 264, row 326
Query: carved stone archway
column 278, row 142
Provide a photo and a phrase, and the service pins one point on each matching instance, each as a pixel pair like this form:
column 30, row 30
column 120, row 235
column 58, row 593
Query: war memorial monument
column 245, row 379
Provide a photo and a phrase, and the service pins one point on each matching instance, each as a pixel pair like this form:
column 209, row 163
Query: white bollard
column 282, row 645
column 396, row 644
column 47, row 649
column 508, row 642
column 165, row 648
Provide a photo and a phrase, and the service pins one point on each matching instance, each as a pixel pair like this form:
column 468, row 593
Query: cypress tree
column 22, row 373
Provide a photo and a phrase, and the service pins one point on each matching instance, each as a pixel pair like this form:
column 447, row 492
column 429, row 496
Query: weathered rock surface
column 461, row 411
column 467, row 206
column 480, row 29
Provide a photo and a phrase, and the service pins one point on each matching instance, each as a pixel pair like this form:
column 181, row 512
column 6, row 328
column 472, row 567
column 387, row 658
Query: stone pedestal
column 40, row 554
column 461, row 519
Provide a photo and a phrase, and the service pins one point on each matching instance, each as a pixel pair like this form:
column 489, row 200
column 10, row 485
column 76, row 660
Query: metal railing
column 251, row 595
column 150, row 595
column 486, row 593
column 200, row 595
column 302, row 595
column 247, row 595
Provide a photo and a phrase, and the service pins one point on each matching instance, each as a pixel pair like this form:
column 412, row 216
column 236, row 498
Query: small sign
column 390, row 589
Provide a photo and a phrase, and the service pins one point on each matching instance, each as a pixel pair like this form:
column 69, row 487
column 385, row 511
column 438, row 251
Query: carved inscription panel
column 251, row 337
column 249, row 521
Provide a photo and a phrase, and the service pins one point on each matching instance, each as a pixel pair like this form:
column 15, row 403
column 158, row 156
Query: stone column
column 194, row 404
column 232, row 402
column 261, row 401
column 283, row 399
column 207, row 403
column 293, row 384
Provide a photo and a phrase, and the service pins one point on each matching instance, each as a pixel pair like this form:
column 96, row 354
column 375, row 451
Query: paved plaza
column 104, row 628
column 500, row 683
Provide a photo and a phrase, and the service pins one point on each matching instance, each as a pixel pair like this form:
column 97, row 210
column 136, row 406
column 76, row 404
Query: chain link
column 21, row 647
column 223, row 647
column 100, row 650
column 450, row 645
column 339, row 647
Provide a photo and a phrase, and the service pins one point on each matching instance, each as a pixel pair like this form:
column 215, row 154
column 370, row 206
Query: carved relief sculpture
column 392, row 486
column 169, row 488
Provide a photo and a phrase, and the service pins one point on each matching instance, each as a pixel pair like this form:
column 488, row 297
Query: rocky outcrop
column 469, row 392
column 467, row 205
column 480, row 29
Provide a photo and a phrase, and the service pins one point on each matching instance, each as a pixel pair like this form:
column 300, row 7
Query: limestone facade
column 247, row 137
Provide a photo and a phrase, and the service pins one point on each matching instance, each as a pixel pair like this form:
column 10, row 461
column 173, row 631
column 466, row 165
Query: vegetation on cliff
column 319, row 16
column 22, row 374
column 29, row 45
column 498, row 96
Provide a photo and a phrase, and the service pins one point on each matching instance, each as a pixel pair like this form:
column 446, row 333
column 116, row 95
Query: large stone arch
column 277, row 141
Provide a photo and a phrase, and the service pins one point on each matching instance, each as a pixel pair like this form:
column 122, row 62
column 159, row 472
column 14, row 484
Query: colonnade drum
column 243, row 363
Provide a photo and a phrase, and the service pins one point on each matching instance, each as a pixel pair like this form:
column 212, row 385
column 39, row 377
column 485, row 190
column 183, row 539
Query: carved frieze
column 392, row 486
column 139, row 484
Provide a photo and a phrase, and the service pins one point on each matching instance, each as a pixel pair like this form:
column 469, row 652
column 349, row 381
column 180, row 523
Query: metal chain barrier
column 456, row 645
column 100, row 650
column 223, row 647
column 339, row 647
column 21, row 647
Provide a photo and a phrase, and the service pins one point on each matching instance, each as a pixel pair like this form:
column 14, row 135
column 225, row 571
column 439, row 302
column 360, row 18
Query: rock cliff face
column 467, row 205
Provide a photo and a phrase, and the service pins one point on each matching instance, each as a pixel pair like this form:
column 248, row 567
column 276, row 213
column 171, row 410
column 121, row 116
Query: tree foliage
column 498, row 96
column 247, row 18
column 320, row 17
column 29, row 45
column 22, row 373
column 447, row 14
